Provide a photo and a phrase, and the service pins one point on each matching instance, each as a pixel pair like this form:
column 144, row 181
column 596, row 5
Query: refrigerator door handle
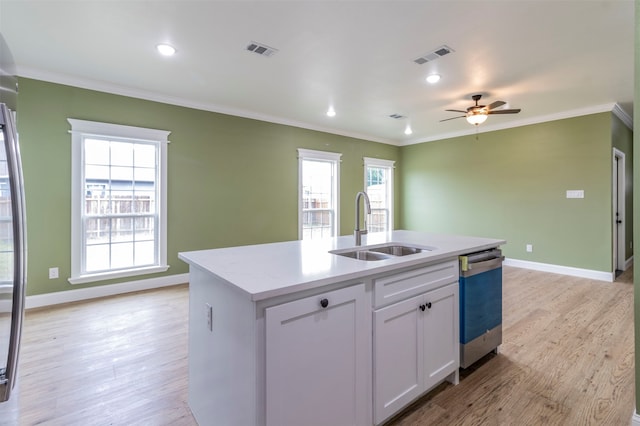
column 19, row 247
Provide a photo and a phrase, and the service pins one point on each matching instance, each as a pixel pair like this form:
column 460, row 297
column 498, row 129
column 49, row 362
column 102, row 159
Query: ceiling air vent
column 397, row 116
column 261, row 49
column 433, row 55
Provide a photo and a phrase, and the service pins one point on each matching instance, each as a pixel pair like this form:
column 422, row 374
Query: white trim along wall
column 59, row 297
column 563, row 270
column 56, row 298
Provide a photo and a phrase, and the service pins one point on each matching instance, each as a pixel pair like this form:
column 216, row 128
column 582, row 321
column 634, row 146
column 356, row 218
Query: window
column 119, row 203
column 378, row 183
column 319, row 183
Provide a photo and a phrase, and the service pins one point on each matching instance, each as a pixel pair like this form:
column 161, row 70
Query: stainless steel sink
column 397, row 250
column 364, row 255
column 381, row 252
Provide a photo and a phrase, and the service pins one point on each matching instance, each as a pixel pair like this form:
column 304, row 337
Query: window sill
column 89, row 278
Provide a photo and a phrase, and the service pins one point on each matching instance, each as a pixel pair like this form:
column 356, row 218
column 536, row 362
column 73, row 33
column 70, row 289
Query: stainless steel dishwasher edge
column 480, row 305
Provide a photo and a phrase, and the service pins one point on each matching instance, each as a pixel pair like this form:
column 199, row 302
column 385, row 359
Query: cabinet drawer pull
column 324, row 303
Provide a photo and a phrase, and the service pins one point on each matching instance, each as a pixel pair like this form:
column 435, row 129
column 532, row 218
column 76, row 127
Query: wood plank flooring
column 566, row 359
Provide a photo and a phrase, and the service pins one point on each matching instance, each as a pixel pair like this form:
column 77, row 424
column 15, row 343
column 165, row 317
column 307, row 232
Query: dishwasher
column 480, row 304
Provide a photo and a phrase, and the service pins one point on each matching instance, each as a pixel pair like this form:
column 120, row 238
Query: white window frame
column 390, row 165
column 81, row 129
column 334, row 158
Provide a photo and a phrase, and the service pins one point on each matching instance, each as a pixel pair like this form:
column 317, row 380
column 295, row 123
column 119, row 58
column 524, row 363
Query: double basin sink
column 381, row 252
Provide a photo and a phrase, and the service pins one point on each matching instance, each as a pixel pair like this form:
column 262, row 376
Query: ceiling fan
column 477, row 114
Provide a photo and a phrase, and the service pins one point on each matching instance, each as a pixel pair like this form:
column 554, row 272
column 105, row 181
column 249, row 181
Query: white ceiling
column 551, row 58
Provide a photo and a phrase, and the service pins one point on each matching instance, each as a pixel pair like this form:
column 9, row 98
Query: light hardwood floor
column 566, row 359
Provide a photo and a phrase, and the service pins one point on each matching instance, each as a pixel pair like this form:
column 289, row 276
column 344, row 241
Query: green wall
column 231, row 181
column 512, row 184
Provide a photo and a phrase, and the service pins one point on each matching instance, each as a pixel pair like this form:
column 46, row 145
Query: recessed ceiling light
column 331, row 112
column 433, row 78
column 166, row 49
column 407, row 130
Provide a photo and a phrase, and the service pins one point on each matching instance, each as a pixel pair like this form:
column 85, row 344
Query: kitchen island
column 300, row 333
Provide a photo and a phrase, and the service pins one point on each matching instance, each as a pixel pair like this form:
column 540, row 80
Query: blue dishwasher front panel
column 480, row 304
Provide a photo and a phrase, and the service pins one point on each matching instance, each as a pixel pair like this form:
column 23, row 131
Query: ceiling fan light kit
column 477, row 114
column 476, row 117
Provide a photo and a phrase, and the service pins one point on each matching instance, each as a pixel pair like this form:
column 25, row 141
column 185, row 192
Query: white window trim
column 80, row 128
column 378, row 162
column 309, row 154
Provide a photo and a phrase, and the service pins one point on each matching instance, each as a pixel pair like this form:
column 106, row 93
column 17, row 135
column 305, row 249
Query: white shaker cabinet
column 292, row 334
column 317, row 352
column 415, row 347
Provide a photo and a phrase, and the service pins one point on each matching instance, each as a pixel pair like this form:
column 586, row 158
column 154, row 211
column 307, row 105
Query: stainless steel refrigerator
column 12, row 228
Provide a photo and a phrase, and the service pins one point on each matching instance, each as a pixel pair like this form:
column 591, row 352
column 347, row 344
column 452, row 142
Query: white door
column 317, row 360
column 619, row 241
column 397, row 358
column 441, row 334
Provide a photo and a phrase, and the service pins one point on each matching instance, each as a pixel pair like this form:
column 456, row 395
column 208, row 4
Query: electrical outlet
column 529, row 248
column 209, row 313
column 575, row 193
column 53, row 273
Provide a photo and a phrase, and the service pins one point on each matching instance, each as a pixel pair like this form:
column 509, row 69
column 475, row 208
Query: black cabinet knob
column 422, row 307
column 324, row 303
column 428, row 305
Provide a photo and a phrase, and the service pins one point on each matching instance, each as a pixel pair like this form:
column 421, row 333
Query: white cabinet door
column 317, row 352
column 397, row 357
column 441, row 331
column 415, row 346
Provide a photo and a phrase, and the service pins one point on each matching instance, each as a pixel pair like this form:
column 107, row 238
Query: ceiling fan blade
column 505, row 111
column 453, row 118
column 456, row 110
column 496, row 104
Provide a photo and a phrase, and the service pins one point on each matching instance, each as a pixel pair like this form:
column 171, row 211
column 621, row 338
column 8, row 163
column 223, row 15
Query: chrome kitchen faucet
column 359, row 232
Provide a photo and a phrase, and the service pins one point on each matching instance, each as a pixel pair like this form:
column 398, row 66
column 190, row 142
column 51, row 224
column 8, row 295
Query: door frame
column 618, row 206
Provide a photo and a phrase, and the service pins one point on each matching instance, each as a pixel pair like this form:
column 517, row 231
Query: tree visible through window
column 119, row 201
column 378, row 183
column 319, row 180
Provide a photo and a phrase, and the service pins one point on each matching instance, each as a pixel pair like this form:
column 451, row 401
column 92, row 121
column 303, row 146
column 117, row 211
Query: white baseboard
column 40, row 300
column 628, row 263
column 564, row 270
column 635, row 419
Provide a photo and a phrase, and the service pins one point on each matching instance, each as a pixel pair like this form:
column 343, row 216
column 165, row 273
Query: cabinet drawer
column 406, row 284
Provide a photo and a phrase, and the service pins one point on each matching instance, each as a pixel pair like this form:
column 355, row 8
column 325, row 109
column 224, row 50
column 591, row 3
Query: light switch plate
column 575, row 193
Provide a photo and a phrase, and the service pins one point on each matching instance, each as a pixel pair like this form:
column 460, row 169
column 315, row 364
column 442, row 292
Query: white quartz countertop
column 268, row 270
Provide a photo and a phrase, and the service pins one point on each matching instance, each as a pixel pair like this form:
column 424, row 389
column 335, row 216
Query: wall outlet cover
column 53, row 273
column 575, row 193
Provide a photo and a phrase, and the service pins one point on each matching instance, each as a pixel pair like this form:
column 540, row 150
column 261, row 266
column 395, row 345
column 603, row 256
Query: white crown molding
column 517, row 123
column 623, row 116
column 151, row 96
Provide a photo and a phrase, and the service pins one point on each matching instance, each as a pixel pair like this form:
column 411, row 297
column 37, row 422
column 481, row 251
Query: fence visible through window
column 119, row 216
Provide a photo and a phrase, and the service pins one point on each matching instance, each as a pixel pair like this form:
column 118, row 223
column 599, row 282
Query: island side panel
column 222, row 360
